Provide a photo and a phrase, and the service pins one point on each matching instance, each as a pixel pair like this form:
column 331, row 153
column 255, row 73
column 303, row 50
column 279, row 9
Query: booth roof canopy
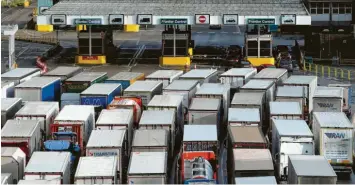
column 178, row 7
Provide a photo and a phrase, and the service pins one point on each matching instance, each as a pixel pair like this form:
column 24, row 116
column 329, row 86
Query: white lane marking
column 199, row 32
column 211, row 32
column 224, row 32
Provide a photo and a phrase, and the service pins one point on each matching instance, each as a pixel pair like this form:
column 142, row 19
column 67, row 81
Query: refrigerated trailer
column 146, row 90
column 333, row 138
column 109, row 143
column 347, row 95
column 291, row 94
column 151, row 141
column 148, row 168
column 166, row 76
column 49, row 166
column 64, row 72
column 125, row 78
column 100, row 94
column 244, row 117
column 237, row 77
column 290, row 137
column 7, row 89
column 310, row 169
column 25, row 134
column 278, row 75
column 249, row 100
column 20, row 75
column 96, row 170
column 9, row 107
column 44, row 112
column 202, row 75
column 82, row 81
column 39, row 89
column 328, row 99
column 284, row 110
column 13, row 160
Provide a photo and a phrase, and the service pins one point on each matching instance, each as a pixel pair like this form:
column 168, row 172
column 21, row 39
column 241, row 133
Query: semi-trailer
column 246, row 137
column 146, row 90
column 69, row 99
column 13, row 161
column 20, row 75
column 7, row 89
column 291, row 94
column 205, row 111
column 284, row 110
column 9, row 107
column 165, row 76
column 328, row 99
column 100, row 94
column 202, row 75
column 249, row 100
column 237, row 77
column 82, row 81
column 151, row 141
column 348, row 91
column 256, row 180
column 6, row 179
column 244, row 117
column 126, row 102
column 125, row 78
column 278, row 75
column 64, row 72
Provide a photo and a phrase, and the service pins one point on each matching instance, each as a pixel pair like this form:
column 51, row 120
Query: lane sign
column 202, row 19
column 173, row 21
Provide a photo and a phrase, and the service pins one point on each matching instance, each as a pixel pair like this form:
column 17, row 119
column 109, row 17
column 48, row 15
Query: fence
column 329, row 71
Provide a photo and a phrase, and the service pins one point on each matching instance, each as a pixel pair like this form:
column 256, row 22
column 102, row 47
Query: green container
column 82, row 81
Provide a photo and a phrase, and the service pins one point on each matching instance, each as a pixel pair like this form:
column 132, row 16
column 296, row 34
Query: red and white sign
column 90, row 57
column 202, row 19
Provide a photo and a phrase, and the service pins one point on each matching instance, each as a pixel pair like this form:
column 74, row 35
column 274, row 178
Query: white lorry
column 278, row 75
column 202, row 75
column 7, row 89
column 256, row 180
column 328, row 99
column 237, row 77
column 13, row 160
column 244, row 116
column 144, row 89
column 151, row 141
column 205, row 111
column 20, row 75
column 333, row 138
column 284, row 110
column 291, row 94
column 290, row 137
column 166, row 76
column 249, row 100
column 348, row 93
column 9, row 107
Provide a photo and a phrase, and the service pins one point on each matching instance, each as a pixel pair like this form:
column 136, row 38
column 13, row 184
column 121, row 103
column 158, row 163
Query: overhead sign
column 94, row 21
column 230, row 19
column 145, row 19
column 59, row 20
column 116, row 19
column 288, row 19
column 261, row 21
column 173, row 21
column 202, row 19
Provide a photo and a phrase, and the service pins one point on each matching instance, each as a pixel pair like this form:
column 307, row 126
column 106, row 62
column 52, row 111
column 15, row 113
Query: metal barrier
column 329, row 71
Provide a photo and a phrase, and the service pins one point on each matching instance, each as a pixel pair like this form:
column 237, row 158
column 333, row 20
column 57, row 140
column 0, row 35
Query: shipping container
column 291, row 94
column 328, row 99
column 77, row 119
column 237, row 77
column 333, row 138
column 117, row 119
column 160, row 119
column 25, row 134
column 310, row 85
column 148, row 168
column 126, row 102
column 256, row 180
column 39, row 89
column 6, row 179
column 202, row 75
column 252, row 163
column 166, row 76
column 44, row 112
column 64, row 72
column 96, row 170
column 347, row 95
column 249, row 100
column 31, row 182
column 278, row 75
column 20, row 75
column 109, row 143
column 246, row 137
column 284, row 110
column 100, row 94
column 310, row 169
column 82, row 81
column 7, row 89
column 205, row 111
column 9, row 107
column 218, row 91
column 49, row 166
column 145, row 90
column 69, row 99
column 13, row 161
column 125, row 78
column 244, row 117
column 151, row 141
column 290, row 137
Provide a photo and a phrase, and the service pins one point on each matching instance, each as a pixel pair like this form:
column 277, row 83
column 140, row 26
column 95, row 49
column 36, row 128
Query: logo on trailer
column 202, row 19
column 335, row 135
column 325, row 105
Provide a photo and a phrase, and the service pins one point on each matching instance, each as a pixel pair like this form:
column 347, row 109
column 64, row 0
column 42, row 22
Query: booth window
column 319, row 8
column 342, row 8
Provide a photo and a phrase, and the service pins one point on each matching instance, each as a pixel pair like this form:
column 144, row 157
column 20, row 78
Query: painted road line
column 199, row 32
column 224, row 32
column 211, row 32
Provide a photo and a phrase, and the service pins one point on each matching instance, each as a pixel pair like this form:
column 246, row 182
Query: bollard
column 322, row 70
column 342, row 73
column 316, row 69
column 335, row 73
column 310, row 68
column 328, row 71
column 349, row 78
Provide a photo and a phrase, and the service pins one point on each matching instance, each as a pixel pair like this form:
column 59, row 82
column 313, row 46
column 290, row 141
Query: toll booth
column 258, row 42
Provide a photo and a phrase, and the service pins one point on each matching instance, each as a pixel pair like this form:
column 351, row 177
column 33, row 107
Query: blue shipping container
column 39, row 89
column 51, row 92
column 100, row 94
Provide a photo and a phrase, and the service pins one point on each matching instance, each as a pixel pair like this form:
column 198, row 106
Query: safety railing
column 329, row 71
column 36, row 39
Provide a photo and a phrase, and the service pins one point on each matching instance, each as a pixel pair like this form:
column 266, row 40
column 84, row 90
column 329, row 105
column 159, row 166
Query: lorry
column 290, row 137
column 20, row 75
column 69, row 99
column 310, row 169
column 103, row 143
column 249, row 100
column 186, row 88
column 151, row 141
column 82, row 81
column 44, row 112
column 166, row 76
column 328, row 99
column 39, row 89
column 284, row 110
column 31, row 182
column 161, row 119
column 127, row 102
column 117, row 119
column 13, row 161
column 246, row 137
column 256, row 180
column 333, row 139
column 348, row 91
column 251, row 163
column 75, row 122
column 202, row 75
column 310, row 85
column 200, row 153
column 291, row 94
column 257, row 85
column 49, row 166
column 64, row 72
column 100, row 94
column 9, row 107
column 125, row 78
column 7, row 89
column 237, row 77
column 148, row 168
column 244, row 117
column 24, row 134
column 218, row 91
column 96, row 170
column 278, row 75
column 146, row 90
